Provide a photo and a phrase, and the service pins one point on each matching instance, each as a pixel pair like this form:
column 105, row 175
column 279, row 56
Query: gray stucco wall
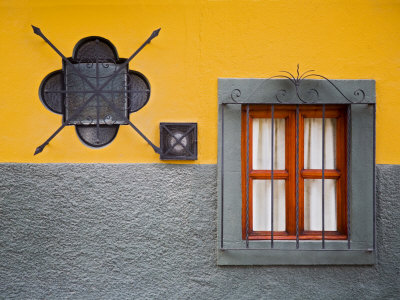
column 149, row 231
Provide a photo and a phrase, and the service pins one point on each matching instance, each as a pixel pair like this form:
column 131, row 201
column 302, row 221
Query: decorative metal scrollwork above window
column 305, row 88
column 95, row 91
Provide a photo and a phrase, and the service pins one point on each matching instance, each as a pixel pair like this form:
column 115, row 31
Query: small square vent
column 178, row 141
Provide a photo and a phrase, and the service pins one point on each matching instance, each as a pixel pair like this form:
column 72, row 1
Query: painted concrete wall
column 149, row 230
column 92, row 231
column 199, row 42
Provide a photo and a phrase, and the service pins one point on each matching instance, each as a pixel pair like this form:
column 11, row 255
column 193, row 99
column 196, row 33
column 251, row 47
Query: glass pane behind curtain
column 313, row 143
column 262, row 144
column 313, row 204
column 262, row 205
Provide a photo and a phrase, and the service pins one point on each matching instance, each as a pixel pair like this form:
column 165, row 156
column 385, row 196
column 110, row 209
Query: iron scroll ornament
column 296, row 82
column 95, row 91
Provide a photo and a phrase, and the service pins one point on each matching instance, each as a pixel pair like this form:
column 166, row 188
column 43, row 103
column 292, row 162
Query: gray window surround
column 231, row 93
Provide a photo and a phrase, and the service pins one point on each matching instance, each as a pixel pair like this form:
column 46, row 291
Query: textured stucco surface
column 88, row 231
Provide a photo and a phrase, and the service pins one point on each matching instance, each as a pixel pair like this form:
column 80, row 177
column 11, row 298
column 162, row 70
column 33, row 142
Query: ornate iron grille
column 95, row 91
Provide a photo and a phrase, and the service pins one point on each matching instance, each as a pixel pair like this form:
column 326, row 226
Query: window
column 348, row 236
column 310, row 202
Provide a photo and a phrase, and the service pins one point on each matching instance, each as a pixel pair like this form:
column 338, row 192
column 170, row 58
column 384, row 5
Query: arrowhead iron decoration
column 95, row 91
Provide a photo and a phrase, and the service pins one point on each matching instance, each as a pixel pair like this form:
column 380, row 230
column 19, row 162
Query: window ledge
column 295, row 257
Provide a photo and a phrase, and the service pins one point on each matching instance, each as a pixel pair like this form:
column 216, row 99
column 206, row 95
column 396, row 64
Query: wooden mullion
column 329, row 235
column 330, row 112
column 341, row 186
column 250, row 144
column 266, row 174
column 317, row 174
column 250, row 206
column 301, row 168
column 290, row 158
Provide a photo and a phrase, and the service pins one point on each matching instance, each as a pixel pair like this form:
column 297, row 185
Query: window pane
column 313, row 204
column 262, row 205
column 313, row 143
column 262, row 144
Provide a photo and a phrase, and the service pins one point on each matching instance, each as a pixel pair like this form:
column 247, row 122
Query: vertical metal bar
column 323, row 176
column 348, row 173
column 222, row 176
column 97, row 97
column 374, row 179
column 247, row 175
column 272, row 175
column 297, row 177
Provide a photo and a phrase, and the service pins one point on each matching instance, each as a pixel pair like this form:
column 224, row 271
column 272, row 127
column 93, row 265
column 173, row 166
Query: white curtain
column 312, row 187
column 262, row 205
column 313, row 143
column 262, row 144
column 262, row 161
column 313, row 204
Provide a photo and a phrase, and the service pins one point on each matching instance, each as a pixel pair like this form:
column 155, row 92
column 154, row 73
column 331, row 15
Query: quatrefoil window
column 95, row 91
column 65, row 91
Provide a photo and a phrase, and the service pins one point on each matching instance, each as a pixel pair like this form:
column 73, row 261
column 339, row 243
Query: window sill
column 295, row 257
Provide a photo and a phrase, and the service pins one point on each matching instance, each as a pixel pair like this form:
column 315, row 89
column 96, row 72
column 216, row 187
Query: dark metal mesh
column 178, row 141
column 138, row 91
column 97, row 136
column 99, row 109
column 47, row 91
column 93, row 47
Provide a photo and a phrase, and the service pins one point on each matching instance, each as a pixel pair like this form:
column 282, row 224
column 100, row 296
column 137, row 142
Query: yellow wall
column 199, row 42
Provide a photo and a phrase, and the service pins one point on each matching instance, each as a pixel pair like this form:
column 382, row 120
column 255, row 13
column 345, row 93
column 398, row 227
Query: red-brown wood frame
column 288, row 112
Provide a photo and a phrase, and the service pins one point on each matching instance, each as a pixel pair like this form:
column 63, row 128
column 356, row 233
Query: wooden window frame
column 288, row 112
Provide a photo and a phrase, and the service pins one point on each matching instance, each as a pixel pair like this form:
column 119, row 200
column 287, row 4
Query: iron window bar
column 222, row 179
column 297, row 177
column 272, row 176
column 323, row 176
column 348, row 178
column 247, row 174
column 374, row 174
column 296, row 81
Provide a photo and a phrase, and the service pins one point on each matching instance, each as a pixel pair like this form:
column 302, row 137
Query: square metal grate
column 178, row 141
